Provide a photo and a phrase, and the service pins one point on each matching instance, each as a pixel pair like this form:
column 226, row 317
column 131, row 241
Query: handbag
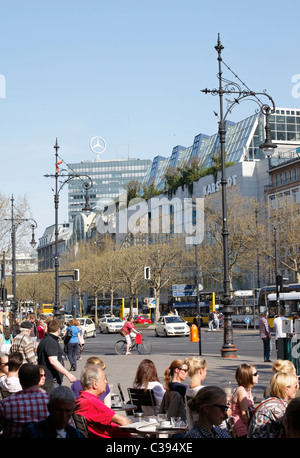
column 68, row 336
column 122, row 332
column 139, row 339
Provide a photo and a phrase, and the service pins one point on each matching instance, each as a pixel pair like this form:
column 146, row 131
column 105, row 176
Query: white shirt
column 159, row 392
column 191, row 417
column 277, row 323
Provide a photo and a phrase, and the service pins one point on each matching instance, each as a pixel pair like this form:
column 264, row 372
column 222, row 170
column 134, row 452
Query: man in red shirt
column 101, row 420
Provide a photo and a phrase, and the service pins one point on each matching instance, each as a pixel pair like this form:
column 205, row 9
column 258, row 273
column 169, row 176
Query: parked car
column 110, row 324
column 172, row 326
column 142, row 319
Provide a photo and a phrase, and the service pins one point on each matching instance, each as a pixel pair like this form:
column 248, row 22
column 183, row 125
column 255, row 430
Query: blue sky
column 130, row 71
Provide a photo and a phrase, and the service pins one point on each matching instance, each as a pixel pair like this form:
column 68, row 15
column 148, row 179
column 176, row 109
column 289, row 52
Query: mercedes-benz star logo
column 98, row 145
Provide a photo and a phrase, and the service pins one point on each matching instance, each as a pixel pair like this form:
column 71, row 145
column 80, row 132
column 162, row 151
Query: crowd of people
column 35, row 402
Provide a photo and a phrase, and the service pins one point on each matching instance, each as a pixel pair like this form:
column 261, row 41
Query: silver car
column 110, row 324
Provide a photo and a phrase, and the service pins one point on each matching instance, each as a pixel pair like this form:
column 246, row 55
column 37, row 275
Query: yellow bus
column 47, row 308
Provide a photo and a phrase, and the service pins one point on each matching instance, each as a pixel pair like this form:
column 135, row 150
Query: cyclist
column 131, row 332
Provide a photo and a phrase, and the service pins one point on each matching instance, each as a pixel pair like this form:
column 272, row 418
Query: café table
column 152, row 428
column 123, row 406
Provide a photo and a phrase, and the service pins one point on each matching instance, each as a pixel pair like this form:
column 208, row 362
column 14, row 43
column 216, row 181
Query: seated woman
column 146, row 378
column 242, row 401
column 197, row 369
column 175, row 375
column 210, row 406
column 266, row 419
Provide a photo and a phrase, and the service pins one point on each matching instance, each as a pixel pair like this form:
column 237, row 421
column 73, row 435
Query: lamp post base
column 229, row 352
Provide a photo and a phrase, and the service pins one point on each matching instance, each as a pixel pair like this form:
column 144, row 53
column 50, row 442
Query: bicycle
column 143, row 348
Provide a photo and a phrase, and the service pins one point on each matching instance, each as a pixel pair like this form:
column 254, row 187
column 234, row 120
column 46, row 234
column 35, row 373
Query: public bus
column 188, row 309
column 289, row 299
column 245, row 308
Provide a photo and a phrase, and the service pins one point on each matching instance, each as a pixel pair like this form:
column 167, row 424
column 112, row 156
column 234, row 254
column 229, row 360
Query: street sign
column 184, row 293
column 183, row 287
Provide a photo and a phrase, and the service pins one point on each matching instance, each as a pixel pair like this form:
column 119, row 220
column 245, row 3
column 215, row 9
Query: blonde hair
column 284, row 365
column 280, row 381
column 195, row 364
column 94, row 360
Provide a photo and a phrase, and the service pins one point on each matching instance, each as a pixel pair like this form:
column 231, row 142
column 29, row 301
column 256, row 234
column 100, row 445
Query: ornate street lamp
column 15, row 222
column 87, row 184
column 228, row 349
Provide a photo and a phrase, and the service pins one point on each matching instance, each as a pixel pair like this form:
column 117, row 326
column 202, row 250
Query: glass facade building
column 109, row 177
column 242, row 143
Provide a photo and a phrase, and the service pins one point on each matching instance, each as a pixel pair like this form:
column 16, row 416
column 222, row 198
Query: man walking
column 265, row 335
column 50, row 356
column 23, row 343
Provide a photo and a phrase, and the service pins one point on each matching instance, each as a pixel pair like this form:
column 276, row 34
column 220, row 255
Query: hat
column 26, row 325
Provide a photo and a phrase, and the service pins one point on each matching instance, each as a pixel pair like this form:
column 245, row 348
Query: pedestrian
column 209, row 407
column 211, row 317
column 105, row 396
column 6, row 339
column 130, row 333
column 28, row 405
column 197, row 370
column 23, row 343
column 146, row 378
column 265, row 335
column 102, row 422
column 175, row 375
column 73, row 344
column 266, row 418
column 61, row 408
column 242, row 400
column 11, row 383
column 41, row 329
column 277, row 327
column 50, row 356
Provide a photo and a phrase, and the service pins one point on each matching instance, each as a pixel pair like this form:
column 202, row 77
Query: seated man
column 101, row 420
column 26, row 406
column 56, row 425
column 11, row 383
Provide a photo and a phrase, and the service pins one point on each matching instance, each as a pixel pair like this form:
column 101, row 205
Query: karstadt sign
column 216, row 186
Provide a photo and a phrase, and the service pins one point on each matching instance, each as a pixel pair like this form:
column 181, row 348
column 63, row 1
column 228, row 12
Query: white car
column 110, row 324
column 88, row 327
column 172, row 325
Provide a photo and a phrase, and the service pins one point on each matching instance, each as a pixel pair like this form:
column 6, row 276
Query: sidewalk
column 220, row 371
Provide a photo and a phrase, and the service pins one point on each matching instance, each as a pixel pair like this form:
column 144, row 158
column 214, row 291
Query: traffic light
column 3, row 294
column 147, row 274
column 280, row 280
column 76, row 274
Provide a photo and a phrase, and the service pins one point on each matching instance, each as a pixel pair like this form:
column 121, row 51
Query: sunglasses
column 255, row 374
column 185, row 370
column 223, row 408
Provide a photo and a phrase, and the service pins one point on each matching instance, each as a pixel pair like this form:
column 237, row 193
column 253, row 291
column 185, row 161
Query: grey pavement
column 220, row 371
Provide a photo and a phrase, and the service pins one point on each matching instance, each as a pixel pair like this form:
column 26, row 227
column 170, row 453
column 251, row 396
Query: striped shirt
column 264, row 330
column 23, row 343
column 22, row 408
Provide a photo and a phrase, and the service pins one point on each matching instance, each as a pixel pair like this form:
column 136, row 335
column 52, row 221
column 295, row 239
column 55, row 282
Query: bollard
column 194, row 335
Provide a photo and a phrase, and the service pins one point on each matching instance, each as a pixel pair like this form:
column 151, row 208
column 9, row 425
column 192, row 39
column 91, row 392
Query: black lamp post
column 15, row 222
column 58, row 186
column 228, row 349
